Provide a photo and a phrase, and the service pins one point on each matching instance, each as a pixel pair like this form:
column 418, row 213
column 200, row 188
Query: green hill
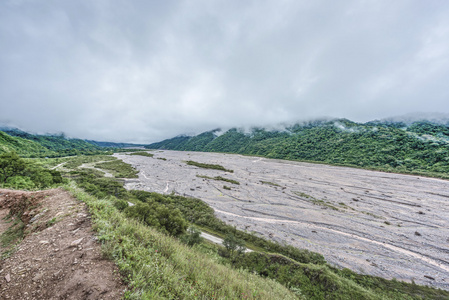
column 35, row 145
column 419, row 147
column 113, row 145
column 21, row 146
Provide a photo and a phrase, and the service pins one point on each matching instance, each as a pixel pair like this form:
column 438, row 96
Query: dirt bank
column 59, row 258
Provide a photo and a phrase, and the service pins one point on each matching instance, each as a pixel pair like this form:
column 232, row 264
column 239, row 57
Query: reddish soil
column 59, row 258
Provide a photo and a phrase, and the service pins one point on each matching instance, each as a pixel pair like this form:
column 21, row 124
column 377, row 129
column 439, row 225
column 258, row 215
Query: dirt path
column 59, row 258
column 382, row 224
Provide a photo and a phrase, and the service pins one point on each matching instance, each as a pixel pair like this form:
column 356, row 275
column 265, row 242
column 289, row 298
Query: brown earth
column 59, row 258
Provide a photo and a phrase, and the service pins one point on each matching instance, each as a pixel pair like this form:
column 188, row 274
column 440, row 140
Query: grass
column 208, row 166
column 269, row 183
column 158, row 266
column 75, row 162
column 119, row 169
column 316, row 201
column 142, row 154
column 219, row 178
column 11, row 237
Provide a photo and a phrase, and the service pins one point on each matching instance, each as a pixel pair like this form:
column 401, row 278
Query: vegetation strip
column 219, row 178
column 208, row 166
column 142, row 154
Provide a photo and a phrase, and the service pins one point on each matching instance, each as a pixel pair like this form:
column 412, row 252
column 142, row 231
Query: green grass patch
column 142, row 154
column 219, row 178
column 208, row 166
column 316, row 201
column 11, row 237
column 119, row 168
column 75, row 162
column 269, row 183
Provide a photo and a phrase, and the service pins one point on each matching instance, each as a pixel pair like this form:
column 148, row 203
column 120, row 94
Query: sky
column 142, row 71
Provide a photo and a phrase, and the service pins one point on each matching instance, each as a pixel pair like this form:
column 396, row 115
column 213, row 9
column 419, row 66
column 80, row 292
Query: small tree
column 193, row 236
column 234, row 244
column 11, row 165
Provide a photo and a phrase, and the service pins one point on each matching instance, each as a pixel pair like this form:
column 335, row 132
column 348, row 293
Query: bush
column 120, row 204
column 192, row 237
column 233, row 244
column 20, row 183
column 167, row 219
column 18, row 173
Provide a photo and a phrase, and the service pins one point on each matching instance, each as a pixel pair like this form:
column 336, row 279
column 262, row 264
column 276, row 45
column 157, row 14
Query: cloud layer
column 141, row 71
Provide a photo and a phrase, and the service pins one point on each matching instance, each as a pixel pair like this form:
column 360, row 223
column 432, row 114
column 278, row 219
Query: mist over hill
column 400, row 145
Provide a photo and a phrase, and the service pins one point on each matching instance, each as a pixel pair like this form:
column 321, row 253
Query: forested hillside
column 420, row 147
column 113, row 145
column 34, row 145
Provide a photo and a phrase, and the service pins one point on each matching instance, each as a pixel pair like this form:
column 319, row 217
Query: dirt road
column 383, row 224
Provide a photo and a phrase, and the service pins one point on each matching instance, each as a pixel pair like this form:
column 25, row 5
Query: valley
column 382, row 224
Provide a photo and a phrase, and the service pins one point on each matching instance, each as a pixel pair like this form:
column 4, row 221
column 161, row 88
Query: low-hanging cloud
column 141, row 71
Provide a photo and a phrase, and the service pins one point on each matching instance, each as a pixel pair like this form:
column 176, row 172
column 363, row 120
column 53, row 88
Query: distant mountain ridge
column 36, row 145
column 114, row 145
column 419, row 147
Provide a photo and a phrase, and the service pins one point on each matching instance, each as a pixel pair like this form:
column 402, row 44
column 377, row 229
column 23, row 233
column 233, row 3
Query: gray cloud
column 142, row 71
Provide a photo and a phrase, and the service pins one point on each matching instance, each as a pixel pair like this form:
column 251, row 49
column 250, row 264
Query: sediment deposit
column 383, row 224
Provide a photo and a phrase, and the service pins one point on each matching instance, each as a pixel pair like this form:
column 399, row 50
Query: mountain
column 35, row 145
column 114, row 145
column 419, row 147
column 21, row 146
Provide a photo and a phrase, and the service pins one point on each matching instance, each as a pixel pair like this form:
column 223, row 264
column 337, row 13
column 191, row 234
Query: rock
column 8, row 278
column 44, row 242
column 38, row 277
column 36, row 217
column 75, row 243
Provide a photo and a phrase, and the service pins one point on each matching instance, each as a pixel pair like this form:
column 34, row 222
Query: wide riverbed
column 383, row 224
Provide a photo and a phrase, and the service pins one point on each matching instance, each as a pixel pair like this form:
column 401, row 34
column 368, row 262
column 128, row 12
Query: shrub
column 18, row 173
column 120, row 204
column 167, row 219
column 192, row 237
column 20, row 183
column 234, row 244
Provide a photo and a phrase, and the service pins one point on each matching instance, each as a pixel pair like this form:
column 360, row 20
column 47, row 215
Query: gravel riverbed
column 382, row 224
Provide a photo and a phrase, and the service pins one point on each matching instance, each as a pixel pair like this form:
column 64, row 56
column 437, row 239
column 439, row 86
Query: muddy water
column 388, row 225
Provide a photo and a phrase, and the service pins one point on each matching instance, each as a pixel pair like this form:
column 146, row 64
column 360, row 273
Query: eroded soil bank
column 383, row 224
column 59, row 258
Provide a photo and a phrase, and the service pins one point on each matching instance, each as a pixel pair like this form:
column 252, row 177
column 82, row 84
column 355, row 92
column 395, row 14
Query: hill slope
column 420, row 147
column 21, row 146
column 35, row 145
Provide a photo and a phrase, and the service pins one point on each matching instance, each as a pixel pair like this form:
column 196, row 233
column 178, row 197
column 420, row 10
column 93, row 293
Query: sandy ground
column 59, row 261
column 388, row 225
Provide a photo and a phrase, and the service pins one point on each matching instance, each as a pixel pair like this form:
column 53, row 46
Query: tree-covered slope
column 420, row 147
column 21, row 146
column 34, row 145
column 113, row 145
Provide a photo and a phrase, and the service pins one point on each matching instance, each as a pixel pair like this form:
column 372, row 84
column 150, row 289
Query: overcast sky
column 142, row 71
